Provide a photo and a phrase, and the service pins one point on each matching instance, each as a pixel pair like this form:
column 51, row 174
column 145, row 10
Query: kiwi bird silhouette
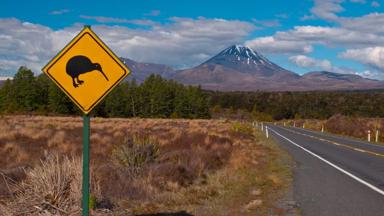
column 79, row 65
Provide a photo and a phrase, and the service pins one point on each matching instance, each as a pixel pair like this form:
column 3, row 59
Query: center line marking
column 378, row 190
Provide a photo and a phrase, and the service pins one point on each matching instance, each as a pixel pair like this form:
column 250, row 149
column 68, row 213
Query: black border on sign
column 107, row 91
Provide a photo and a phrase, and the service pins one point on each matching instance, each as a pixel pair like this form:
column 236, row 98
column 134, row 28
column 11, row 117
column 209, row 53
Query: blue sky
column 344, row 36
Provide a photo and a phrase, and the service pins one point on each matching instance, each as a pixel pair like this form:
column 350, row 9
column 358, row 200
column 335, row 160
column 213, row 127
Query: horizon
column 326, row 35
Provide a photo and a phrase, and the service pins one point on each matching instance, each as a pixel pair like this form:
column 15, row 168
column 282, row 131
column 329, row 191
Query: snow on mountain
column 246, row 60
column 239, row 68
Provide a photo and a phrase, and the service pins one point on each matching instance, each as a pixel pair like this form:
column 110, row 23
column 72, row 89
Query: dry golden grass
column 202, row 166
column 51, row 188
column 356, row 127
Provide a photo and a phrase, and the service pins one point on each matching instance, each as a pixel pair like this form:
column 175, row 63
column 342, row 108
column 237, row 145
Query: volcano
column 240, row 68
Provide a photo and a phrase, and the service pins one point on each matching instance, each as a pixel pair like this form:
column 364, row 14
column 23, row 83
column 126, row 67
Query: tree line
column 308, row 105
column 155, row 98
column 160, row 98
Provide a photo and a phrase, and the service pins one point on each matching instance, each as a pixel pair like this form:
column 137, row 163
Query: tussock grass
column 51, row 188
column 141, row 166
column 135, row 152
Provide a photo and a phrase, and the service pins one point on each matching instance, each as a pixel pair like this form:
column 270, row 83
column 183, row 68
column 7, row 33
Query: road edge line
column 335, row 143
column 374, row 188
column 337, row 136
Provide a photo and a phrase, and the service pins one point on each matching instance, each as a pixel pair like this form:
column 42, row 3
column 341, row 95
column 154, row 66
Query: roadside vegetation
column 356, row 127
column 141, row 166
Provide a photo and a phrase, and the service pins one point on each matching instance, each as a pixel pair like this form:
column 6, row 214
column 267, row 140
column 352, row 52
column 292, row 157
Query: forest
column 160, row 98
column 267, row 106
column 155, row 98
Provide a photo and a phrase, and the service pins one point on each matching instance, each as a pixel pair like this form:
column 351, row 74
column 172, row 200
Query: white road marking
column 378, row 190
column 338, row 137
column 336, row 143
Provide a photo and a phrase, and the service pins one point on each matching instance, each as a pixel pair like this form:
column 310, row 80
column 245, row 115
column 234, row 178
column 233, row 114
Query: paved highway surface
column 334, row 175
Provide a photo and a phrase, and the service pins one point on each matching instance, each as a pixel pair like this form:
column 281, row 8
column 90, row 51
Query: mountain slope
column 246, row 60
column 140, row 71
column 238, row 68
column 324, row 80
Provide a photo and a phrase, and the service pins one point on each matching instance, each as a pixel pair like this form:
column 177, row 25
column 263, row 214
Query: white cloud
column 369, row 74
column 372, row 74
column 271, row 44
column 102, row 19
column 153, row 13
column 331, row 36
column 327, row 9
column 183, row 42
column 267, row 23
column 59, row 12
column 23, row 43
column 282, row 16
column 308, row 62
column 2, row 78
column 320, row 64
column 372, row 56
column 307, row 17
column 359, row 1
column 361, row 36
column 356, row 34
column 301, row 39
column 375, row 4
column 180, row 42
column 370, row 23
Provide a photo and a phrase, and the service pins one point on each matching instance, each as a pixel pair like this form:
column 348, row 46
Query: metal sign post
column 86, row 132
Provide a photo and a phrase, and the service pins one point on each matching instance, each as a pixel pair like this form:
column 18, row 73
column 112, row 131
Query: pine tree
column 59, row 102
column 24, row 92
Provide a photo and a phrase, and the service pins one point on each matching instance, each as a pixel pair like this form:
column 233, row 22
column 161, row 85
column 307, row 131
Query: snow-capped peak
column 242, row 58
column 244, row 54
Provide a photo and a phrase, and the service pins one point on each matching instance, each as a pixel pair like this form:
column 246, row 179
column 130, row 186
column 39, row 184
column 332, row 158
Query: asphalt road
column 334, row 175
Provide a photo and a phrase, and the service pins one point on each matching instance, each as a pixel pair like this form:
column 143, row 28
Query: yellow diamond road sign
column 86, row 70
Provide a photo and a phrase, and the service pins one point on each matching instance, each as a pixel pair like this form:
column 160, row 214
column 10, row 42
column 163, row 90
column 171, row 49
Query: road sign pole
column 86, row 132
column 85, row 53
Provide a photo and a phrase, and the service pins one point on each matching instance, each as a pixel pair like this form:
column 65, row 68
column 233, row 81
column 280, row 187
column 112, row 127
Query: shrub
column 52, row 188
column 242, row 127
column 136, row 151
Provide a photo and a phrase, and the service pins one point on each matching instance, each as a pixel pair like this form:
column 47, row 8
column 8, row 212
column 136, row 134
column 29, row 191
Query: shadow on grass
column 182, row 213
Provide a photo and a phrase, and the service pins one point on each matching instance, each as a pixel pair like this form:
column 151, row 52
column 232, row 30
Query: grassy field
column 141, row 167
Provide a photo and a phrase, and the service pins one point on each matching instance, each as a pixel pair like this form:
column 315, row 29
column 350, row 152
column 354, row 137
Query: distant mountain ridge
column 140, row 71
column 239, row 68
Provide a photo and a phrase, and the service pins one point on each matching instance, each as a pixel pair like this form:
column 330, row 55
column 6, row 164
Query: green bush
column 245, row 128
column 92, row 202
column 136, row 151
